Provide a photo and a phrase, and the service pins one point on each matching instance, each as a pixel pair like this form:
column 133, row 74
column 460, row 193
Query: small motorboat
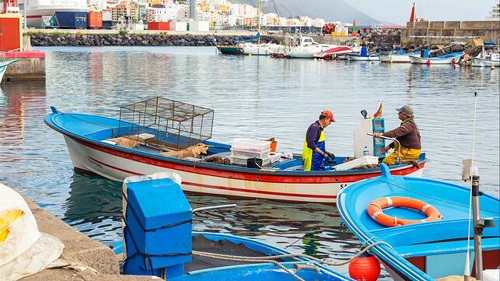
column 334, row 52
column 486, row 60
column 159, row 134
column 451, row 58
column 158, row 241
column 422, row 229
column 306, row 48
column 363, row 55
column 397, row 57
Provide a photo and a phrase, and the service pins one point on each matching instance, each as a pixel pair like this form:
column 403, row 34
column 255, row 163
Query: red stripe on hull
column 271, row 178
column 286, row 194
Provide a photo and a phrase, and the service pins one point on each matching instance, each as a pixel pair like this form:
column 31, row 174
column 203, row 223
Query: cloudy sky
column 398, row 11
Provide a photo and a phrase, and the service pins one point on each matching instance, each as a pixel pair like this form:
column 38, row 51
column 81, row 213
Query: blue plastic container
column 73, row 20
column 158, row 227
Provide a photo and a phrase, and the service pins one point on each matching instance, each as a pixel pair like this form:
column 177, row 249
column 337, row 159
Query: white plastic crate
column 365, row 160
column 250, row 145
column 249, row 154
column 243, row 161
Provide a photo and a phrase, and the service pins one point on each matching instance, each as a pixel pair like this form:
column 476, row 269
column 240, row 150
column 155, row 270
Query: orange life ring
column 375, row 210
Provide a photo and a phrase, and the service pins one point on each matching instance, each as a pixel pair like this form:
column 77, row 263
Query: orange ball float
column 364, row 268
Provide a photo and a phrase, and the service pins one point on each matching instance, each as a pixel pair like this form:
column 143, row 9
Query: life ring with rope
column 375, row 210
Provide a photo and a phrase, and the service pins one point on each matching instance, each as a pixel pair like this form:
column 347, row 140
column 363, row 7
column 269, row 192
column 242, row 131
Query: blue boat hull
column 427, row 250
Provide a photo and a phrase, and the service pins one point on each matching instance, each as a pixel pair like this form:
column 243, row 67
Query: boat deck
column 202, row 244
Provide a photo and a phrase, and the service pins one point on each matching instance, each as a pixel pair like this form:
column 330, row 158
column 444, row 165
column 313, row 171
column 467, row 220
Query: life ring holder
column 375, row 210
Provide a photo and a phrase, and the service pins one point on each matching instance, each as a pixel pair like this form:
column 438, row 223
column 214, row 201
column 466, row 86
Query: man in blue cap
column 408, row 136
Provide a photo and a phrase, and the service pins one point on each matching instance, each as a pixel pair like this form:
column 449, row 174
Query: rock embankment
column 133, row 39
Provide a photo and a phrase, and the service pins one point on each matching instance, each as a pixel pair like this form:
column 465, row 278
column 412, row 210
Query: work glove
column 331, row 155
column 324, row 155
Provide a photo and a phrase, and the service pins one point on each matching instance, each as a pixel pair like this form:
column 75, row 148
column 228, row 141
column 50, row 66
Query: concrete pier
column 30, row 67
column 89, row 260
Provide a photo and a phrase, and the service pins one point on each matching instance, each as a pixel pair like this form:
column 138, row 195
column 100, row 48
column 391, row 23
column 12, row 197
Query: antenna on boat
column 479, row 224
column 467, row 174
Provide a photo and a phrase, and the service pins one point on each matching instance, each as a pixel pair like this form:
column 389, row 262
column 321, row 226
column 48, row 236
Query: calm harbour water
column 253, row 97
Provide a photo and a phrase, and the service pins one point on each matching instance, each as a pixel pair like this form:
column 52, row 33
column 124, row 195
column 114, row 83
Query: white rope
column 250, row 259
column 272, row 258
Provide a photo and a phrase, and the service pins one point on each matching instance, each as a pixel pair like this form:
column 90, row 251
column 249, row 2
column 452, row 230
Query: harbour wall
column 434, row 32
column 415, row 33
column 151, row 38
column 137, row 38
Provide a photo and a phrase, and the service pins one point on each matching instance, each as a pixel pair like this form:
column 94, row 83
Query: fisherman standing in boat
column 314, row 152
column 408, row 136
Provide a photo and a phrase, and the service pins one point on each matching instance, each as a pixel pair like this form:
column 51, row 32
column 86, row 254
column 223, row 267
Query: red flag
column 378, row 114
column 412, row 15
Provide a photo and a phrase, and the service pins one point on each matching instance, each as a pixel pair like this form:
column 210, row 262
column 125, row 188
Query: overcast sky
column 398, row 11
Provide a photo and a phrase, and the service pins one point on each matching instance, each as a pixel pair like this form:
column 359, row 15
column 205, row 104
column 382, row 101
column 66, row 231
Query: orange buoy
column 365, row 267
column 375, row 210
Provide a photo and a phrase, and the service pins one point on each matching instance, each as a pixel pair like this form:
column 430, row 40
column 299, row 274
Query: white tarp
column 23, row 249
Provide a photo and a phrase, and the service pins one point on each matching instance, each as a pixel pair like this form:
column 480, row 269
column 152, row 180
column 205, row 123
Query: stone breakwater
column 376, row 42
column 132, row 39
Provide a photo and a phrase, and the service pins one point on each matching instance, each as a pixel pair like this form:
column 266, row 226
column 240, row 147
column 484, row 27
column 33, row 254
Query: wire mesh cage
column 166, row 124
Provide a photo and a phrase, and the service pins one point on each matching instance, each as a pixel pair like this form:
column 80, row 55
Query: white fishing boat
column 133, row 145
column 306, row 47
column 261, row 49
column 396, row 57
column 486, row 60
column 363, row 55
column 445, row 59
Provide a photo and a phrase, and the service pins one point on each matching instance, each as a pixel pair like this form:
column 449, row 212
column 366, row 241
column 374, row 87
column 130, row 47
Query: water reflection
column 255, row 97
column 94, row 207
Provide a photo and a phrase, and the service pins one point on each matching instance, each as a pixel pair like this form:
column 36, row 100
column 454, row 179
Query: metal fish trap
column 165, row 123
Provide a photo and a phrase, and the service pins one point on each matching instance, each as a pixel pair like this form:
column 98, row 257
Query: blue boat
column 435, row 241
column 363, row 55
column 451, row 58
column 171, row 133
column 157, row 227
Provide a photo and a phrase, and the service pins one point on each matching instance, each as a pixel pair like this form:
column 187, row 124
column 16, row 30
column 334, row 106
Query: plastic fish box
column 243, row 160
column 158, row 220
column 250, row 154
column 250, row 145
column 365, row 160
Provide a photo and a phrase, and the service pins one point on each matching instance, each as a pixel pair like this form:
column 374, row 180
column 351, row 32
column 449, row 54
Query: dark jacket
column 407, row 134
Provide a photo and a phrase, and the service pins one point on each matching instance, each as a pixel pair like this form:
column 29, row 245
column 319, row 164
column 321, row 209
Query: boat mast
column 258, row 19
column 479, row 224
column 478, row 228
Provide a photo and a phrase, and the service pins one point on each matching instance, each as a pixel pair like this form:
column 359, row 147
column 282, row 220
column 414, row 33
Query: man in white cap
column 408, row 136
column 314, row 152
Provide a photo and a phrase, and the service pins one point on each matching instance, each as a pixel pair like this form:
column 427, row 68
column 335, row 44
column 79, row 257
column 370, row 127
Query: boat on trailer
column 148, row 133
column 158, row 241
column 421, row 229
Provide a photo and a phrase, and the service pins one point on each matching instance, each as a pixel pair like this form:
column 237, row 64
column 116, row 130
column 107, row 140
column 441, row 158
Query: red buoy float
column 365, row 267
